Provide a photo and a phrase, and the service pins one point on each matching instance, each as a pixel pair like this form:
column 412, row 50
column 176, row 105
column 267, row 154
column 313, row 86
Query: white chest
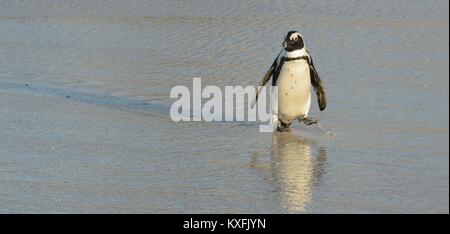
column 294, row 85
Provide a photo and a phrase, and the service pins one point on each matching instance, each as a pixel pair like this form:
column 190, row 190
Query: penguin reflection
column 296, row 166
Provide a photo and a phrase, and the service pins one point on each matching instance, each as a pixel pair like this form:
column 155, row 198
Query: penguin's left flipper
column 317, row 84
column 308, row 120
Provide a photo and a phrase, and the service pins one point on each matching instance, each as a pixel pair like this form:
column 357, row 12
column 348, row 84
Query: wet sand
column 84, row 100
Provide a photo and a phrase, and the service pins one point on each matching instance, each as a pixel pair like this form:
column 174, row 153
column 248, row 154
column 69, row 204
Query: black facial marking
column 290, row 33
column 291, row 45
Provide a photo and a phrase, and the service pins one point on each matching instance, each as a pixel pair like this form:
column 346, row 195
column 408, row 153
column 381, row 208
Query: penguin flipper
column 264, row 80
column 317, row 84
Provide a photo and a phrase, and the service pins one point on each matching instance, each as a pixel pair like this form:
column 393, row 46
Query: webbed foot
column 308, row 120
column 283, row 127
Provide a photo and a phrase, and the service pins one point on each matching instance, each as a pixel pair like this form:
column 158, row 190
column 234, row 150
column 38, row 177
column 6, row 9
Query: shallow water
column 84, row 94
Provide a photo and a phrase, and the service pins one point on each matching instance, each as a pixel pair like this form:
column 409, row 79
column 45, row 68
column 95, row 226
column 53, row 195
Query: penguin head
column 293, row 41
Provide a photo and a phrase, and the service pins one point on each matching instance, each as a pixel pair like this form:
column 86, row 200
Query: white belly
column 294, row 86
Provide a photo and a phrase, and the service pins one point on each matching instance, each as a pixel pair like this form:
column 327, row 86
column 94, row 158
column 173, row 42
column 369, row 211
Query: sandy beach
column 84, row 108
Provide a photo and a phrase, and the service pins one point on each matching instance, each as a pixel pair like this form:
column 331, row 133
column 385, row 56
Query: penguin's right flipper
column 266, row 79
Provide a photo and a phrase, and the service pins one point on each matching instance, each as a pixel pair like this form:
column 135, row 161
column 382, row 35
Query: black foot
column 283, row 127
column 309, row 120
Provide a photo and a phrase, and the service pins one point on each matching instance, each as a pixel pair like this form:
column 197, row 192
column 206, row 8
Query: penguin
column 293, row 73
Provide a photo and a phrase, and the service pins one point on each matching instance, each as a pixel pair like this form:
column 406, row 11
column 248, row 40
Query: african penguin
column 293, row 73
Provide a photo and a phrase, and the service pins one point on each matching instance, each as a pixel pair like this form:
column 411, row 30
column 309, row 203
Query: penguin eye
column 295, row 38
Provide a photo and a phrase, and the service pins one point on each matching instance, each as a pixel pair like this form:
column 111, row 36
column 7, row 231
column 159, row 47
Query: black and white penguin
column 292, row 74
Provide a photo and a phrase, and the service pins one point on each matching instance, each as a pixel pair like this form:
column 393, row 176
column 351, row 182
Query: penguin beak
column 290, row 45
